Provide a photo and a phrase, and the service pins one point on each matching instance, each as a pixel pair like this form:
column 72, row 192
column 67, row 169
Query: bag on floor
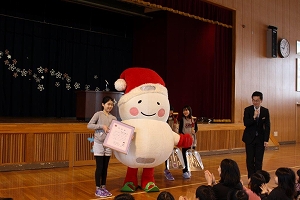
column 175, row 161
column 194, row 162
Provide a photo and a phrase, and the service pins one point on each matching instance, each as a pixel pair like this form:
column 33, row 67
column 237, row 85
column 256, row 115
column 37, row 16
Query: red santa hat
column 136, row 81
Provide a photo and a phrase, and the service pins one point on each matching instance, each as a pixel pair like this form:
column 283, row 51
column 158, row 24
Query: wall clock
column 284, row 48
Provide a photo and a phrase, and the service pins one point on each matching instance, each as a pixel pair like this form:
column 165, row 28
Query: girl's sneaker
column 168, row 175
column 100, row 193
column 108, row 194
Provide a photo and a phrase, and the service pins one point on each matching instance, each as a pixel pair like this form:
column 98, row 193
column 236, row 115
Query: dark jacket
column 252, row 126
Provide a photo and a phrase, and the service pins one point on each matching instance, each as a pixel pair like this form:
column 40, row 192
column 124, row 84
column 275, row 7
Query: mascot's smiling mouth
column 145, row 160
column 147, row 115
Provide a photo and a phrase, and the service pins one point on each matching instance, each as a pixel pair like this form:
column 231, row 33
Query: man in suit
column 256, row 134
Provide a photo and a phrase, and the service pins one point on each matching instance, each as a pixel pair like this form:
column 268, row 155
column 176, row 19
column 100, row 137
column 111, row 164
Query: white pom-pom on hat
column 120, row 84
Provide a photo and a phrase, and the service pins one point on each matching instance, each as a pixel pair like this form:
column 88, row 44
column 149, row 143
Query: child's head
column 255, row 183
column 205, row 192
column 165, row 196
column 265, row 174
column 124, row 196
column 298, row 175
column 107, row 103
column 238, row 195
column 187, row 111
column 285, row 179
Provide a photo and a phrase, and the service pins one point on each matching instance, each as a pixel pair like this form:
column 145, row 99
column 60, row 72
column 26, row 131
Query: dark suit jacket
column 262, row 127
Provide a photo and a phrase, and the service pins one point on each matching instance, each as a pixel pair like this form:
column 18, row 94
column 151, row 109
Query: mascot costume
column 145, row 106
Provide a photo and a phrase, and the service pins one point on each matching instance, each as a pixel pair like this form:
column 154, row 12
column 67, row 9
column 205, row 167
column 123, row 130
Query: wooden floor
column 78, row 182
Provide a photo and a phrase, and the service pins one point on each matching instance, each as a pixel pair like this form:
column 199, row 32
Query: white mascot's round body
column 145, row 106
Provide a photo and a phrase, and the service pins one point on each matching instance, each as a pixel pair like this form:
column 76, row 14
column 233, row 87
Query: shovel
column 175, row 161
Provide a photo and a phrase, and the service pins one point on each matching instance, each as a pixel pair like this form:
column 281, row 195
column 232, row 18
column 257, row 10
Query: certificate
column 119, row 136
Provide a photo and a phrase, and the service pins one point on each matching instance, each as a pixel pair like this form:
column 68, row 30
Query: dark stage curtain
column 193, row 57
column 54, row 49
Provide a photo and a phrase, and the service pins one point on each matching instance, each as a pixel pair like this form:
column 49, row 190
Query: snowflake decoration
column 14, row 61
column 58, row 75
column 15, row 75
column 40, row 69
column 18, row 69
column 29, row 72
column 76, row 85
column 87, row 87
column 95, row 77
column 37, row 79
column 46, row 70
column 65, row 75
column 40, row 87
column 68, row 79
column 24, row 72
column 57, row 84
column 8, row 56
column 97, row 89
column 12, row 67
column 34, row 75
column 52, row 72
column 6, row 62
column 9, row 67
column 68, row 86
column 1, row 54
column 6, row 51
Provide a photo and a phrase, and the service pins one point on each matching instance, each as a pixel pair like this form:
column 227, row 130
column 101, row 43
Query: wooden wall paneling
column 220, row 135
column 298, row 123
column 236, row 139
column 203, row 140
column 71, row 149
column 1, row 148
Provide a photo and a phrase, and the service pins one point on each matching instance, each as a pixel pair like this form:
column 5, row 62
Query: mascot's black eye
column 140, row 101
column 158, row 103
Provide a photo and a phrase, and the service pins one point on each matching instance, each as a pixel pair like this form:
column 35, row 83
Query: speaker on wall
column 272, row 42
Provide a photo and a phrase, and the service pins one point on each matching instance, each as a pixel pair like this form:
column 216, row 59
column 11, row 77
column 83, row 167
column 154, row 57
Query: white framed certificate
column 119, row 136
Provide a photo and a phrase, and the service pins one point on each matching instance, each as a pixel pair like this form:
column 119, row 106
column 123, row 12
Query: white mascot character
column 145, row 106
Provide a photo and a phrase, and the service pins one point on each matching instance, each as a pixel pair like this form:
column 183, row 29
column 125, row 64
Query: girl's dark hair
column 237, row 195
column 165, row 196
column 107, row 99
column 230, row 173
column 298, row 173
column 265, row 174
column 286, row 181
column 189, row 109
column 124, row 196
column 256, row 181
column 205, row 192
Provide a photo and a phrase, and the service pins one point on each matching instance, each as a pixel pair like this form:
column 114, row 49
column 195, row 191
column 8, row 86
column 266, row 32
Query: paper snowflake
column 68, row 86
column 40, row 69
column 76, row 85
column 52, row 72
column 24, row 72
column 68, row 79
column 58, row 75
column 40, row 87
